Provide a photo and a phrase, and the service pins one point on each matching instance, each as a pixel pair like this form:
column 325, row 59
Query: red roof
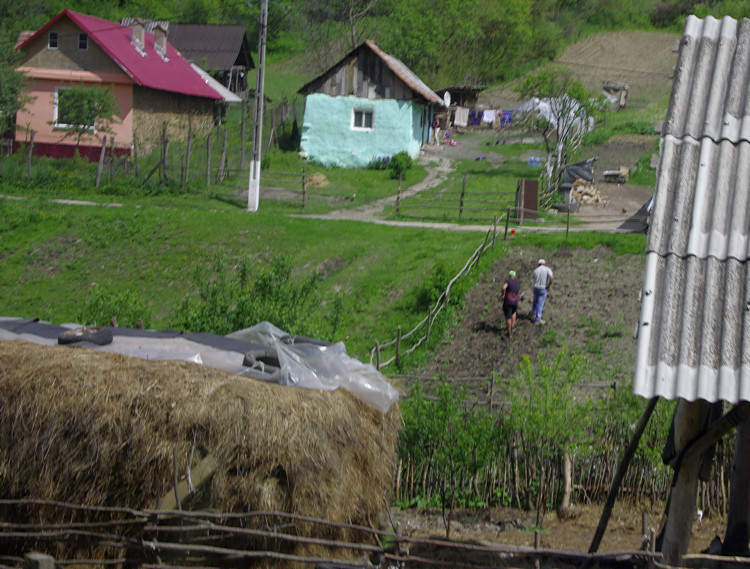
column 172, row 74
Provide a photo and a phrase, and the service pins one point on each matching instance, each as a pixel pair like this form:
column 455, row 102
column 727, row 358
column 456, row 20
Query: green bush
column 240, row 294
column 102, row 305
column 399, row 164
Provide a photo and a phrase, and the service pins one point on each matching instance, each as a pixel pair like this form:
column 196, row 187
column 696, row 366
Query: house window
column 362, row 119
column 74, row 109
column 83, row 41
column 52, row 40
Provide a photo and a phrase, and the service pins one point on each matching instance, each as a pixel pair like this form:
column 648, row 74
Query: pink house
column 155, row 87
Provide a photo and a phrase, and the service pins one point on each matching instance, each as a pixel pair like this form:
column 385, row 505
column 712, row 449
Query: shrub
column 102, row 305
column 399, row 164
column 379, row 163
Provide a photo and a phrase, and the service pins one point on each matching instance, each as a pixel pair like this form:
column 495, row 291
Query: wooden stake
column 101, row 162
column 304, row 188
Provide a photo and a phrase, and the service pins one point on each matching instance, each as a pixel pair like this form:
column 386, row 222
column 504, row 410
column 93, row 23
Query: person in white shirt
column 541, row 283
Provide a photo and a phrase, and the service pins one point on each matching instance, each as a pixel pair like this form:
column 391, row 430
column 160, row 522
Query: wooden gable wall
column 364, row 75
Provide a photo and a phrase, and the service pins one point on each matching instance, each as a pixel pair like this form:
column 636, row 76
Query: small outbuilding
column 368, row 105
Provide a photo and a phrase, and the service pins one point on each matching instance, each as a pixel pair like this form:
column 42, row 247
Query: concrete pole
column 253, row 191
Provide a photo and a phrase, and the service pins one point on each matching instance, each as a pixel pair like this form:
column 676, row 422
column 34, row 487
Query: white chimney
column 160, row 40
column 137, row 34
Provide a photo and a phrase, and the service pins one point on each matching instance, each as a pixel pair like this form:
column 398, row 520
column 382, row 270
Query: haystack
column 101, row 429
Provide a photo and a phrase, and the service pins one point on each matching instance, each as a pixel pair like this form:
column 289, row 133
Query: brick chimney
column 137, row 35
column 160, row 39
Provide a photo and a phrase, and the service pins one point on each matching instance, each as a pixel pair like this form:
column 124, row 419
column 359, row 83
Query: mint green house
column 367, row 106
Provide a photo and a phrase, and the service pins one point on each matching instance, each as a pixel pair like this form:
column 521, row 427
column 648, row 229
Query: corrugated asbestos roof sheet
column 694, row 331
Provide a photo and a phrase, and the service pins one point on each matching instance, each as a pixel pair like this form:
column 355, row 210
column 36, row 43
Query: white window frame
column 364, row 113
column 83, row 40
column 50, row 37
column 63, row 126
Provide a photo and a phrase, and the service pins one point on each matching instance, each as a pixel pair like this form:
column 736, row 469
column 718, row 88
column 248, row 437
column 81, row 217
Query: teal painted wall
column 328, row 137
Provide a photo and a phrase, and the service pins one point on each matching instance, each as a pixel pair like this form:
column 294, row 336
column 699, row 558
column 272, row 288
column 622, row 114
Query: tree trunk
column 567, row 470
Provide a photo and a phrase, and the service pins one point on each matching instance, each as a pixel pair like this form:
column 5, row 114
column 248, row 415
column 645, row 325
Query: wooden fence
column 170, row 539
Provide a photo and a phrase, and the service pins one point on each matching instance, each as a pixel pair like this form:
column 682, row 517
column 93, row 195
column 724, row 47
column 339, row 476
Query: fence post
column 507, row 221
column 189, row 148
column 304, row 187
column 536, row 546
column 31, row 151
column 112, row 159
column 429, row 322
column 36, row 560
column 398, row 347
column 377, row 356
column 398, row 194
column 494, row 232
column 220, row 174
column 461, row 204
column 242, row 134
column 208, row 160
column 166, row 154
column 101, row 162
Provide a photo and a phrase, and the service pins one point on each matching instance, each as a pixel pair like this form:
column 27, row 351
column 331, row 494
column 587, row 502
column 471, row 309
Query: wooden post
column 208, row 160
column 222, row 162
column 494, row 232
column 620, row 474
column 688, row 423
column 242, row 134
column 101, row 162
column 135, row 156
column 507, row 221
column 112, row 160
column 398, row 346
column 166, row 154
column 461, row 203
column 304, row 188
column 189, row 148
column 536, row 546
column 492, row 390
column 31, row 151
column 429, row 322
column 738, row 518
column 398, row 194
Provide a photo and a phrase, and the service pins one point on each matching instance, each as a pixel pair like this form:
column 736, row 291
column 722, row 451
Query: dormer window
column 52, row 40
column 83, row 41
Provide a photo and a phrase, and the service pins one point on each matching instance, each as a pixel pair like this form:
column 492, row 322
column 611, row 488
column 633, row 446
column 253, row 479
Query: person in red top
column 511, row 290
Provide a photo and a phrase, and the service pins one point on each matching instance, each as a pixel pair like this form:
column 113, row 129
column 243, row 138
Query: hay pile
column 101, row 429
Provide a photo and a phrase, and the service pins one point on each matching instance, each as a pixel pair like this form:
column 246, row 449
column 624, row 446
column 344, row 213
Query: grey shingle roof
column 694, row 330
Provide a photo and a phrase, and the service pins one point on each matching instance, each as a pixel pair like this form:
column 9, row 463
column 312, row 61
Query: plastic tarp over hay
column 104, row 429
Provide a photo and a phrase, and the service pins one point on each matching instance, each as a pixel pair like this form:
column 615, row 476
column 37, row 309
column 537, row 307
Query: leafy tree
column 570, row 108
column 14, row 90
column 83, row 111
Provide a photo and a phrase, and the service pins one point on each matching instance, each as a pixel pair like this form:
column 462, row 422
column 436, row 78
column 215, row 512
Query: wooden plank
column 198, row 475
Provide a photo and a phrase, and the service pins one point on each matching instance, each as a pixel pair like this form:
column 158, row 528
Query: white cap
column 542, row 262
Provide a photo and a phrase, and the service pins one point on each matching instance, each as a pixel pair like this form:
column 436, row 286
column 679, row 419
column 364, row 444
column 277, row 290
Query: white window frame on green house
column 56, row 114
column 360, row 119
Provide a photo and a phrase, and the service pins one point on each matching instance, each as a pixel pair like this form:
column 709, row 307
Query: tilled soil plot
column 592, row 308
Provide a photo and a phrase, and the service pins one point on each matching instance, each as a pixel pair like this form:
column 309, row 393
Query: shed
column 461, row 95
column 368, row 105
column 694, row 329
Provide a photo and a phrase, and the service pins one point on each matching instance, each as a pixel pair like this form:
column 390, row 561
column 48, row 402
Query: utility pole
column 253, row 190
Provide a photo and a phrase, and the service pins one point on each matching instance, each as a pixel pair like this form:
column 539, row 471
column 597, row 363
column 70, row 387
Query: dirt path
column 625, row 204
